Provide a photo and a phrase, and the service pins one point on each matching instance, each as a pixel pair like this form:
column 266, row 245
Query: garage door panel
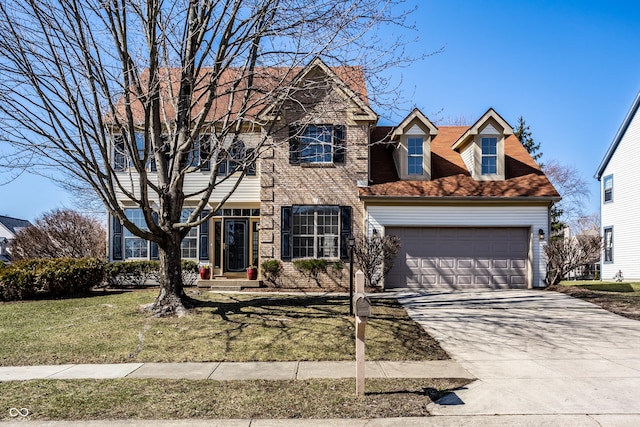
column 455, row 258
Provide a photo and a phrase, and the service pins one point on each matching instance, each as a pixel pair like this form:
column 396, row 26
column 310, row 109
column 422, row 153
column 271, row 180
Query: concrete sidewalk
column 438, row 421
column 238, row 370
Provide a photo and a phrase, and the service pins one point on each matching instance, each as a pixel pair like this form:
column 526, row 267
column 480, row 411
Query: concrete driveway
column 534, row 352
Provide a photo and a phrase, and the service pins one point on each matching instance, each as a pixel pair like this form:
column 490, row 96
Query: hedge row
column 140, row 273
column 49, row 277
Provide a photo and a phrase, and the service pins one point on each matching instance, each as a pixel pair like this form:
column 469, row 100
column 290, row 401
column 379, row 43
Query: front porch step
column 227, row 284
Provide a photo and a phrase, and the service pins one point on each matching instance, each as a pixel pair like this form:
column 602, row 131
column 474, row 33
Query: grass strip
column 225, row 327
column 622, row 298
column 207, row 399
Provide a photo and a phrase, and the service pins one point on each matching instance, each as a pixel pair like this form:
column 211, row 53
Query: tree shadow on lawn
column 389, row 327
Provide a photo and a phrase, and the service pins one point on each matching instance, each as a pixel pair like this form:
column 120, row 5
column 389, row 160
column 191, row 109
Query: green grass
column 622, row 298
column 227, row 327
column 206, row 399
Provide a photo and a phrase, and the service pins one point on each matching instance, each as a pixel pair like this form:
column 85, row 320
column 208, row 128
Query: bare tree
column 574, row 191
column 567, row 254
column 374, row 255
column 130, row 97
column 61, row 234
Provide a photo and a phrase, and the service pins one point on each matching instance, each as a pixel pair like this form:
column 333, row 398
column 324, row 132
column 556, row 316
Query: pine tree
column 524, row 135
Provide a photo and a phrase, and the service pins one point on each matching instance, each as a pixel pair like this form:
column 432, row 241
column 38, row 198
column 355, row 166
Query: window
column 189, row 246
column 489, row 156
column 608, row 244
column 237, row 158
column 135, row 247
column 415, row 154
column 317, row 144
column 608, row 188
column 315, row 231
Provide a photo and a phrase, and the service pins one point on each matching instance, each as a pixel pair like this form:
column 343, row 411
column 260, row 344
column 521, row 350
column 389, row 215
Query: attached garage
column 460, row 257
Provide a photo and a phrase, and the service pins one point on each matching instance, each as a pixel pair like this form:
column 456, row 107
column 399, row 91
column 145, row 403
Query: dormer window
column 489, row 156
column 415, row 156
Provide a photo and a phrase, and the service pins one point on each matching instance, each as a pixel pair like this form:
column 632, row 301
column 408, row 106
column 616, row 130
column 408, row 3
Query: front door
column 236, row 245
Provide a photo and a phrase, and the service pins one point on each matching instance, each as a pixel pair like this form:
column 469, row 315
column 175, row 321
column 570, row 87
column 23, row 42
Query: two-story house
column 619, row 216
column 470, row 205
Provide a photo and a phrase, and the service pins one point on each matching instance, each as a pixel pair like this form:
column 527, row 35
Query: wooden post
column 361, row 323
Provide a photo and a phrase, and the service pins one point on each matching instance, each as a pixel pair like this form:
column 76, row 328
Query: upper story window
column 317, row 144
column 237, row 158
column 489, row 147
column 608, row 188
column 122, row 160
column 608, row 244
column 415, row 156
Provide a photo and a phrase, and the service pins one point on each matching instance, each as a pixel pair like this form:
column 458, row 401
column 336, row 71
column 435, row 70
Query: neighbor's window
column 608, row 188
column 489, row 156
column 135, row 247
column 317, row 144
column 316, row 233
column 415, row 156
column 189, row 245
column 608, row 244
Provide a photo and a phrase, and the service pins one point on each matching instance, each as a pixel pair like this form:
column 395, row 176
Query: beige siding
column 531, row 217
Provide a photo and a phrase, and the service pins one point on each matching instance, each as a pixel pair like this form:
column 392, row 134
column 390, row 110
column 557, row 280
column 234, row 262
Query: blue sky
column 570, row 68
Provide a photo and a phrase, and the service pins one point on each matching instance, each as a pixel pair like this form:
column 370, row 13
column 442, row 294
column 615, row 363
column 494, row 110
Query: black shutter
column 154, row 245
column 294, row 145
column 119, row 156
column 339, row 144
column 286, row 233
column 345, row 231
column 251, row 162
column 116, row 239
column 204, row 144
column 204, row 238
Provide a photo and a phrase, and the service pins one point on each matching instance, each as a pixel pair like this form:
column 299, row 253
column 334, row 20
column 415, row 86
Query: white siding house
column 619, row 178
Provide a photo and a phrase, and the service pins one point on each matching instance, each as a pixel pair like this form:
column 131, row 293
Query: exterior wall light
column 541, row 234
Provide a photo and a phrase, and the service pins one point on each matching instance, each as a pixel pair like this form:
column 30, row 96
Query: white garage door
column 457, row 258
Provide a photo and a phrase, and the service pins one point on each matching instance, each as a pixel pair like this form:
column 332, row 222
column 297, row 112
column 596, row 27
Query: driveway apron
column 533, row 352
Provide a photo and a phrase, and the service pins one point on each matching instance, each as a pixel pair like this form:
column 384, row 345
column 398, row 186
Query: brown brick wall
column 312, row 184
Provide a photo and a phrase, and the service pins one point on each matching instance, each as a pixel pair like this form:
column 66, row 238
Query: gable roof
column 13, row 224
column 450, row 177
column 416, row 114
column 616, row 141
column 266, row 88
column 475, row 128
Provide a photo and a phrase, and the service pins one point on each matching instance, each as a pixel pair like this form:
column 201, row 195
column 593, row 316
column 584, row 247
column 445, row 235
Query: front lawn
column 227, row 327
column 207, row 399
column 622, row 298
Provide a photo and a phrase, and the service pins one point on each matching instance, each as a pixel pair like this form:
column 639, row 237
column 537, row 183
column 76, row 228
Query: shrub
column 121, row 274
column 54, row 277
column 16, row 284
column 131, row 273
column 271, row 269
column 311, row 267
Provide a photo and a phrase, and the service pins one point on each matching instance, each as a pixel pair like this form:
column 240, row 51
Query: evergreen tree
column 525, row 137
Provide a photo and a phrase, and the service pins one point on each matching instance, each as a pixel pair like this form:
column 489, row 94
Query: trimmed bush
column 271, row 269
column 311, row 267
column 51, row 277
column 122, row 274
column 16, row 284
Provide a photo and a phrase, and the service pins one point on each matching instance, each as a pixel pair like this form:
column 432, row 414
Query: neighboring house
column 9, row 227
column 619, row 175
column 467, row 202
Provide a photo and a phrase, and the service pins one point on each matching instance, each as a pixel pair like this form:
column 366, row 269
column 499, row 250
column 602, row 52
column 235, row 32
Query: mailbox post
column 362, row 306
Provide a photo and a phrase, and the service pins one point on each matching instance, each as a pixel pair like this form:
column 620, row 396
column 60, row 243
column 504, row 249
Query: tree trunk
column 172, row 300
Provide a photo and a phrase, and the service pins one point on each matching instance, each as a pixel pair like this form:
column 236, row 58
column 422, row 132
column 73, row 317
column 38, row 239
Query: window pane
column 489, row 146
column 316, row 144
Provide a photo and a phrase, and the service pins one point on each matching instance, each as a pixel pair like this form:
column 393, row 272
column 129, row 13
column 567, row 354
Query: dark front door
column 236, row 245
